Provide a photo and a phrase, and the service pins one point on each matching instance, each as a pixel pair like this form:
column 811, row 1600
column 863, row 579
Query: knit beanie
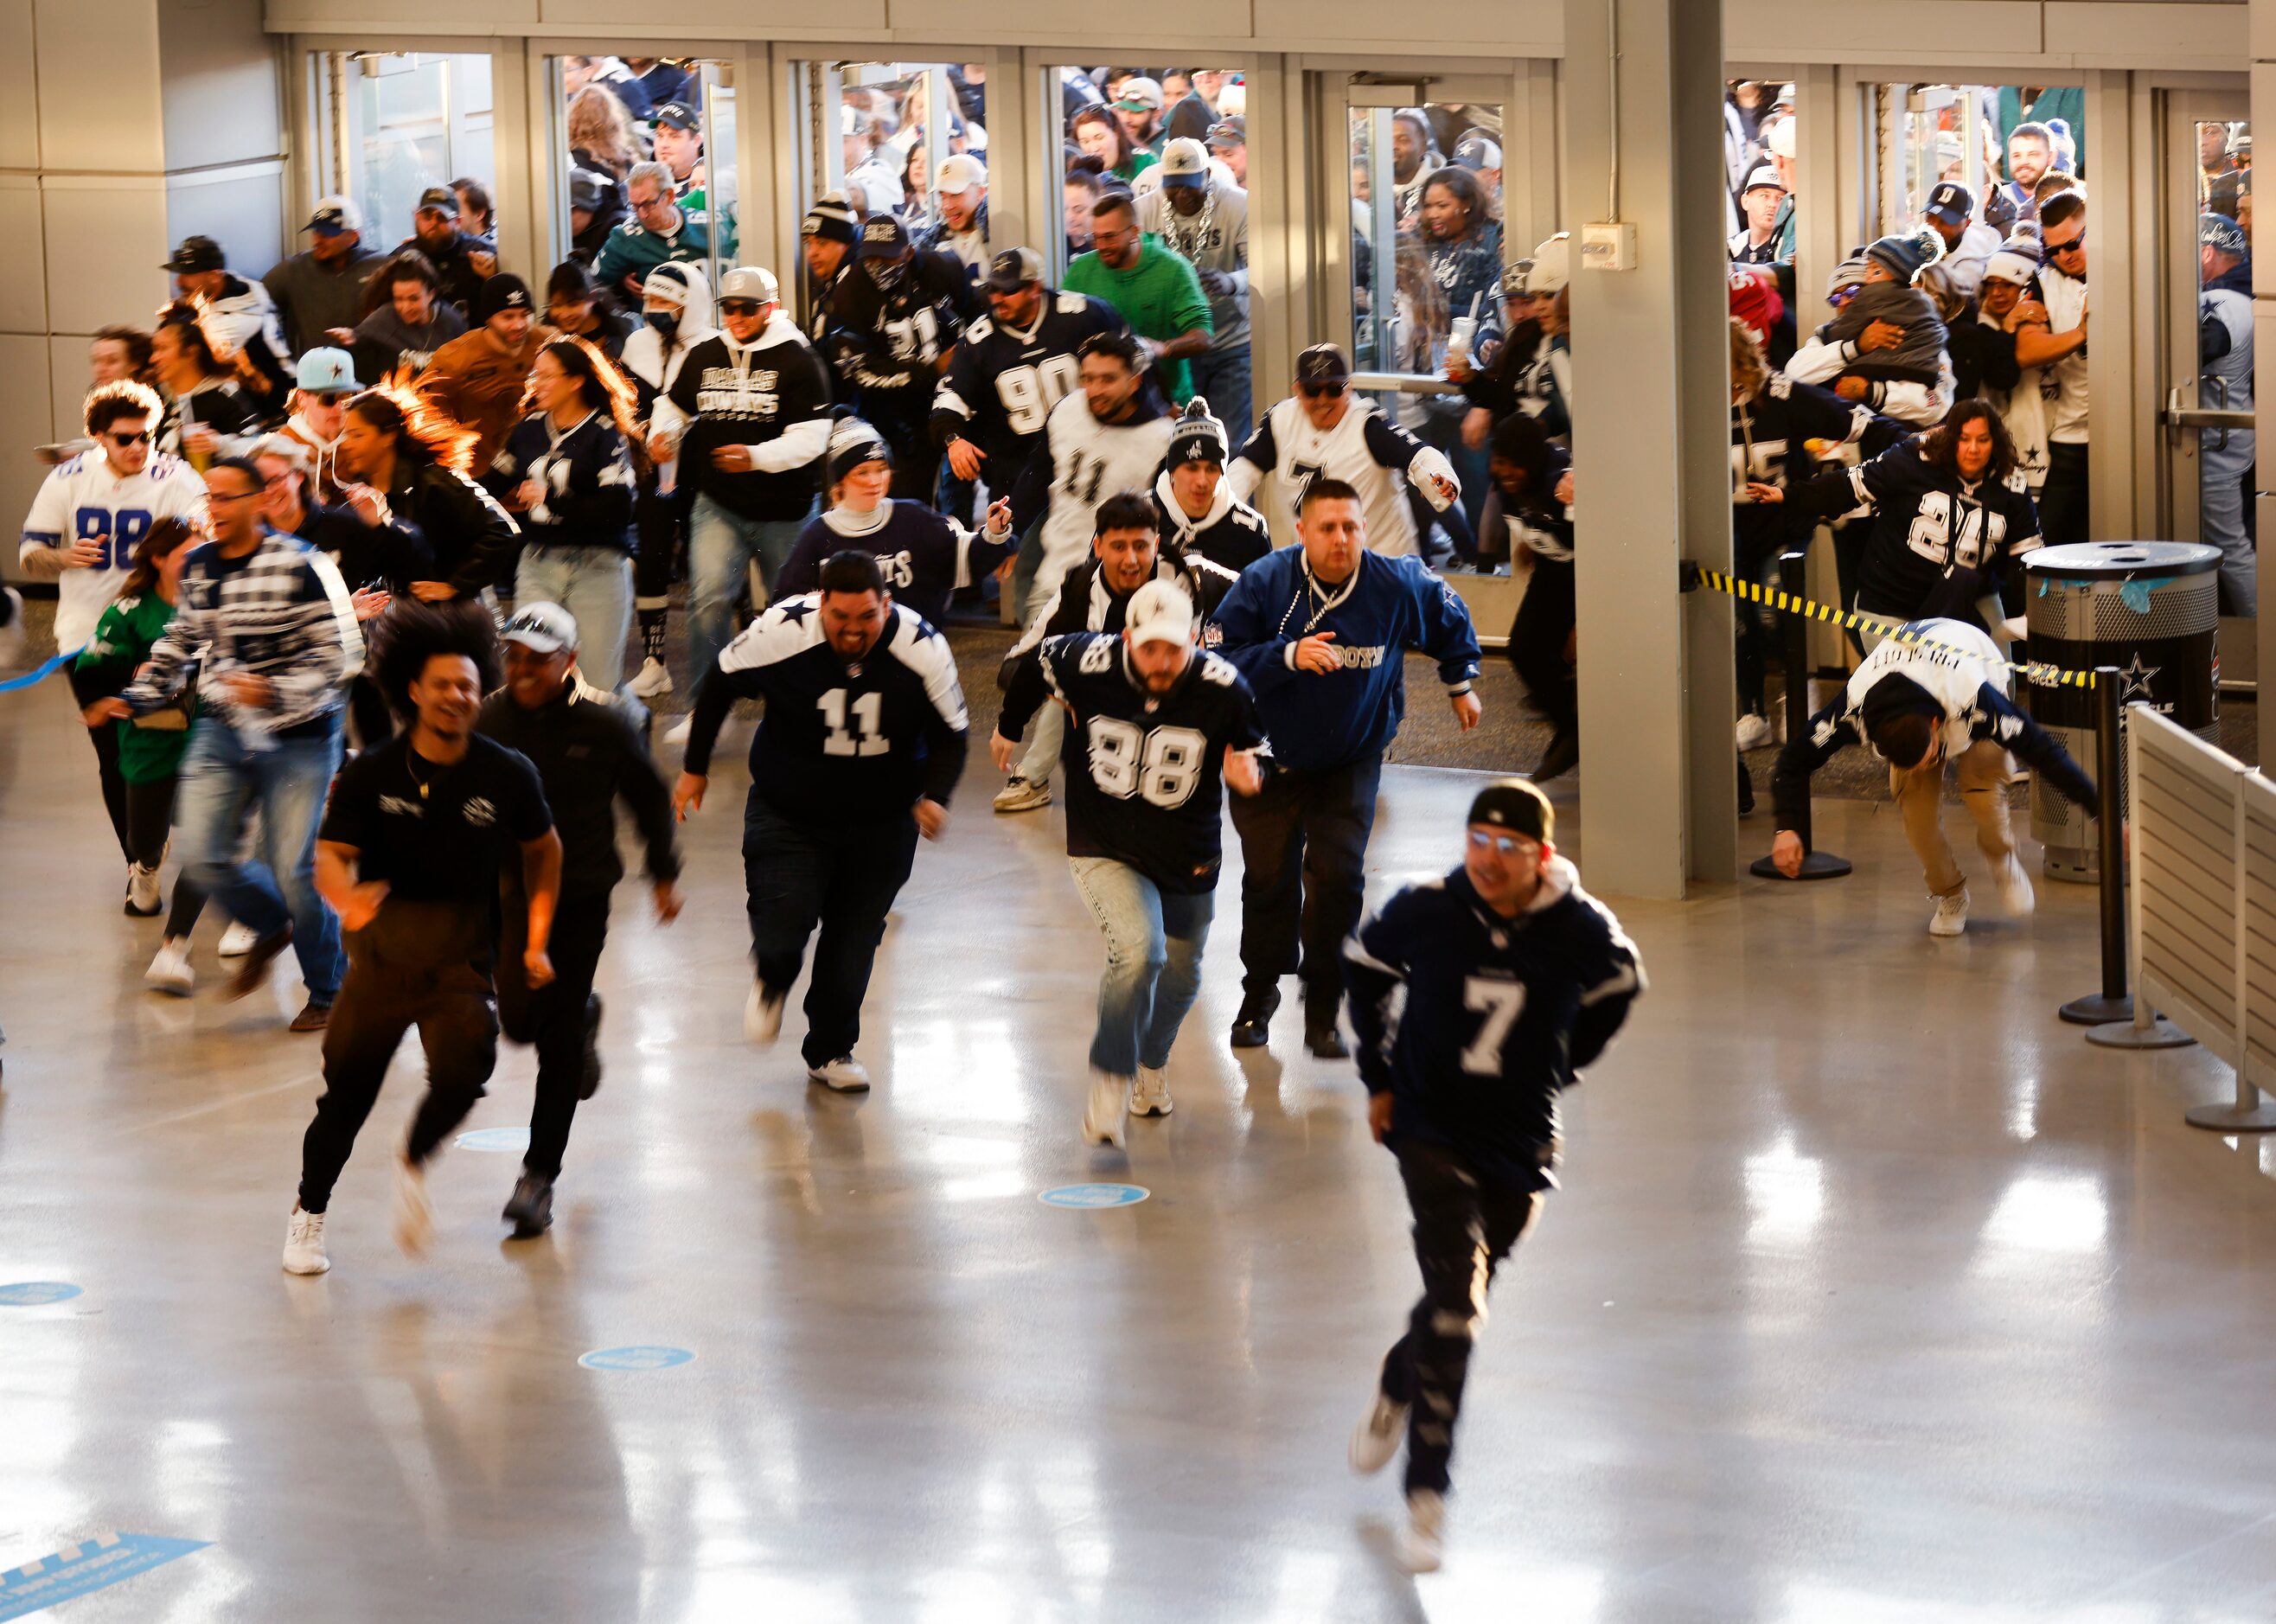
column 1904, row 257
column 832, row 218
column 1197, row 436
column 852, row 442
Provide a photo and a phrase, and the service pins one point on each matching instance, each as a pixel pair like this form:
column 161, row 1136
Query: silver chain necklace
column 1190, row 246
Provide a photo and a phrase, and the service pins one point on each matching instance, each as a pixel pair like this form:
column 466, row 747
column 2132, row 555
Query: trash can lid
column 2123, row 561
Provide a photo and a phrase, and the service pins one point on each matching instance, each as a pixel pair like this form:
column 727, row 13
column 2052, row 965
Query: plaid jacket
column 282, row 612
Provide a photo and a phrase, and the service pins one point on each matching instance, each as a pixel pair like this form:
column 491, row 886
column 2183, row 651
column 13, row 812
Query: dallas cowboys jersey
column 584, row 475
column 1145, row 773
column 925, row 557
column 1767, row 432
column 842, row 743
column 888, row 345
column 1365, row 449
column 1003, row 383
column 1930, row 525
column 770, row 396
column 1080, row 463
column 85, row 500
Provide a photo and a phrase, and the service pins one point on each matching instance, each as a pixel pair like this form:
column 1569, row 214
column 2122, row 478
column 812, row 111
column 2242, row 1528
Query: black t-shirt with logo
column 436, row 833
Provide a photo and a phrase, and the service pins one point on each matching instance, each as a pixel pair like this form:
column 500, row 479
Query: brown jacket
column 469, row 379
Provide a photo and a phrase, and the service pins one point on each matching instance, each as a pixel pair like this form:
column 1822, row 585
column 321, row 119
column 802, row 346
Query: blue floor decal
column 1093, row 1196
column 77, row 1570
column 37, row 1293
column 635, row 1358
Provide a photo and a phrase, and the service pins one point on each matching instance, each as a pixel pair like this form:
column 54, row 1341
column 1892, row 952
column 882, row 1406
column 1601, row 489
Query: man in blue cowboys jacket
column 1321, row 631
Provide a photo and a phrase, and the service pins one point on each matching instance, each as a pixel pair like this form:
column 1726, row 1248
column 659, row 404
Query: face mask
column 664, row 321
column 887, row 274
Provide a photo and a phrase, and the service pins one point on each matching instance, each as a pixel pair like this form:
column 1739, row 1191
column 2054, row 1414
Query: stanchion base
column 2235, row 1118
column 2094, row 1010
column 2159, row 1034
column 1814, row 865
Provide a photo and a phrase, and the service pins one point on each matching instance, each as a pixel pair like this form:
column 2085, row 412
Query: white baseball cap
column 749, row 281
column 1159, row 613
column 1185, row 162
column 961, row 171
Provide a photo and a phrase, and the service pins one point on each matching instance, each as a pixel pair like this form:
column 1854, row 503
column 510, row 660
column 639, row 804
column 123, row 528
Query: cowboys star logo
column 2137, row 677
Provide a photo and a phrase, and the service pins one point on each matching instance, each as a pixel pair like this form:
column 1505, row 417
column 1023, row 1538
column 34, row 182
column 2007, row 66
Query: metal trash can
column 2152, row 610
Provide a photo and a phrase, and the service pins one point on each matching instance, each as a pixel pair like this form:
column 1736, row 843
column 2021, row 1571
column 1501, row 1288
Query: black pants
column 1464, row 1226
column 916, row 460
column 418, row 964
column 1536, row 643
column 105, row 741
column 2062, row 504
column 1303, row 845
column 555, row 1018
column 150, row 819
column 656, row 519
column 844, row 879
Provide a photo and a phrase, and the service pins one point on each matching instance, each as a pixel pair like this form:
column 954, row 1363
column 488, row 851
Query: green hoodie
column 1160, row 297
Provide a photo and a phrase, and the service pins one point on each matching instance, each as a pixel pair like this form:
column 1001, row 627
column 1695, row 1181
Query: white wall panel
column 221, row 93
column 20, row 125
column 1929, row 30
column 24, row 297
column 1518, row 28
column 386, row 17
column 2101, row 34
column 98, row 77
column 106, row 238
column 24, row 423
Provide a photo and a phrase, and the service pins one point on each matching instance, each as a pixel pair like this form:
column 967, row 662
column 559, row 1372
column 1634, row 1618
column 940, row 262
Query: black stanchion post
column 2113, row 1003
column 1794, row 576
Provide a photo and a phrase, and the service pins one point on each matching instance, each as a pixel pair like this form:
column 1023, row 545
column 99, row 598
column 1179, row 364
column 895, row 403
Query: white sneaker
column 237, row 940
column 1754, row 731
column 414, row 1212
column 142, row 898
column 304, row 1243
column 2015, row 887
column 762, row 1015
column 843, row 1075
column 169, row 971
column 1101, row 1119
column 1151, row 1096
column 676, row 735
column 1376, row 1440
column 653, row 681
column 1950, row 914
column 1020, row 794
column 1421, row 1547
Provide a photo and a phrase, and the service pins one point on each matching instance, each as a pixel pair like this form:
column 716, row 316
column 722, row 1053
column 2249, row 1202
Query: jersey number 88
column 1162, row 764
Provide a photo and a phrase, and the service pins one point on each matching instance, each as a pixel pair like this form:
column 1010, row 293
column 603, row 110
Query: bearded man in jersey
column 1321, row 631
column 1154, row 723
column 1323, row 430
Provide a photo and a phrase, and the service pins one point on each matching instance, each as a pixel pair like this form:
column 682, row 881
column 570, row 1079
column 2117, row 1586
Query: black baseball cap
column 1323, row 363
column 195, row 254
column 1952, row 203
column 677, row 116
column 1517, row 806
column 442, row 200
column 1015, row 269
column 884, row 238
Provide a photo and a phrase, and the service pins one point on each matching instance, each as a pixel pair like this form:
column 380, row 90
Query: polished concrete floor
column 1874, row 1293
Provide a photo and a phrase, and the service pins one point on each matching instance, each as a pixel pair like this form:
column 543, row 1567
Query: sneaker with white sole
column 239, row 940
column 762, row 1013
column 415, row 1211
column 1375, row 1441
column 843, row 1075
column 1101, row 1118
column 1951, row 915
column 304, row 1243
column 2015, row 887
column 1754, row 731
column 1422, row 1544
column 142, row 899
column 1020, row 794
column 169, row 971
column 652, row 681
column 1149, row 1097
column 676, row 735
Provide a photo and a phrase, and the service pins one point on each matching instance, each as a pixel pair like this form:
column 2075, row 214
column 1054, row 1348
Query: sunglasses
column 1508, row 846
column 332, row 397
column 1322, row 392
column 739, row 306
column 123, row 440
column 2065, row 247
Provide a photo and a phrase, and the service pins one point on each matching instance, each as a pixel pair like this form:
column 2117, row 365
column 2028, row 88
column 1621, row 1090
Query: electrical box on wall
column 1608, row 244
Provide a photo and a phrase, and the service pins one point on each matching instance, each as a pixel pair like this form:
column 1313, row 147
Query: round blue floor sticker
column 1093, row 1196
column 37, row 1293
column 635, row 1358
column 494, row 1139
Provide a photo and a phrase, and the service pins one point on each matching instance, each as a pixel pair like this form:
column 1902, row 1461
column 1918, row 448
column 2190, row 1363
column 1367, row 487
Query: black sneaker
column 252, row 969
column 1253, row 1025
column 589, row 1083
column 530, row 1209
column 1325, row 1040
column 1562, row 755
column 1746, row 790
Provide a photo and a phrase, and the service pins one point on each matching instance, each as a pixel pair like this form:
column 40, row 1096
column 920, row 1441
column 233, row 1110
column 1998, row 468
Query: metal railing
column 2202, row 897
column 1401, row 383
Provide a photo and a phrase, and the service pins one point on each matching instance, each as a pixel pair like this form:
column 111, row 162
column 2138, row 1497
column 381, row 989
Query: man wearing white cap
column 323, row 382
column 319, row 292
column 961, row 228
column 1154, row 724
column 2005, row 306
column 1760, row 201
column 1204, row 220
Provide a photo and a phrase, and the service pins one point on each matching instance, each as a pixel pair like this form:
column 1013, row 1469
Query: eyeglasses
column 125, row 442
column 1322, row 392
column 215, row 498
column 652, row 205
column 739, row 306
column 1508, row 846
column 2078, row 241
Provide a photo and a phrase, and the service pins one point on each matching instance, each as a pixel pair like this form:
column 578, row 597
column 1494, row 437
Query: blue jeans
column 1154, row 940
column 1222, row 376
column 720, row 547
column 221, row 779
column 595, row 584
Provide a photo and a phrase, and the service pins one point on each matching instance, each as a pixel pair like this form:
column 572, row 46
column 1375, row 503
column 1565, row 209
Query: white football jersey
column 1091, row 461
column 84, row 500
column 1365, row 450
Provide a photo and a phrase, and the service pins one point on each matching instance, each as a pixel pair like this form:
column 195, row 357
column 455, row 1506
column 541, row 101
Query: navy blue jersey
column 1937, row 538
column 1145, row 774
column 1474, row 1023
column 1003, row 383
column 925, row 558
column 841, row 743
column 887, row 345
column 585, row 479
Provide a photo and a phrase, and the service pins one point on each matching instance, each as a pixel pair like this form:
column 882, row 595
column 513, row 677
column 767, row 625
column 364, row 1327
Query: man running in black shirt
column 858, row 751
column 590, row 749
column 408, row 855
column 1152, row 719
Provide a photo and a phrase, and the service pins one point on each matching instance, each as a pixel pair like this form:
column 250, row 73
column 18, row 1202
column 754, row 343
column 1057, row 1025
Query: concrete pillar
column 2120, row 224
column 1650, row 443
column 2264, row 342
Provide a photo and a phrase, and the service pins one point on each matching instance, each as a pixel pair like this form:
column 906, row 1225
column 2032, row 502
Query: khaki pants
column 1984, row 769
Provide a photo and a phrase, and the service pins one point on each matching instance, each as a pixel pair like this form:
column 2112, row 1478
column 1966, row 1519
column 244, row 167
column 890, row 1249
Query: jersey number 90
column 1162, row 764
column 1028, row 393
